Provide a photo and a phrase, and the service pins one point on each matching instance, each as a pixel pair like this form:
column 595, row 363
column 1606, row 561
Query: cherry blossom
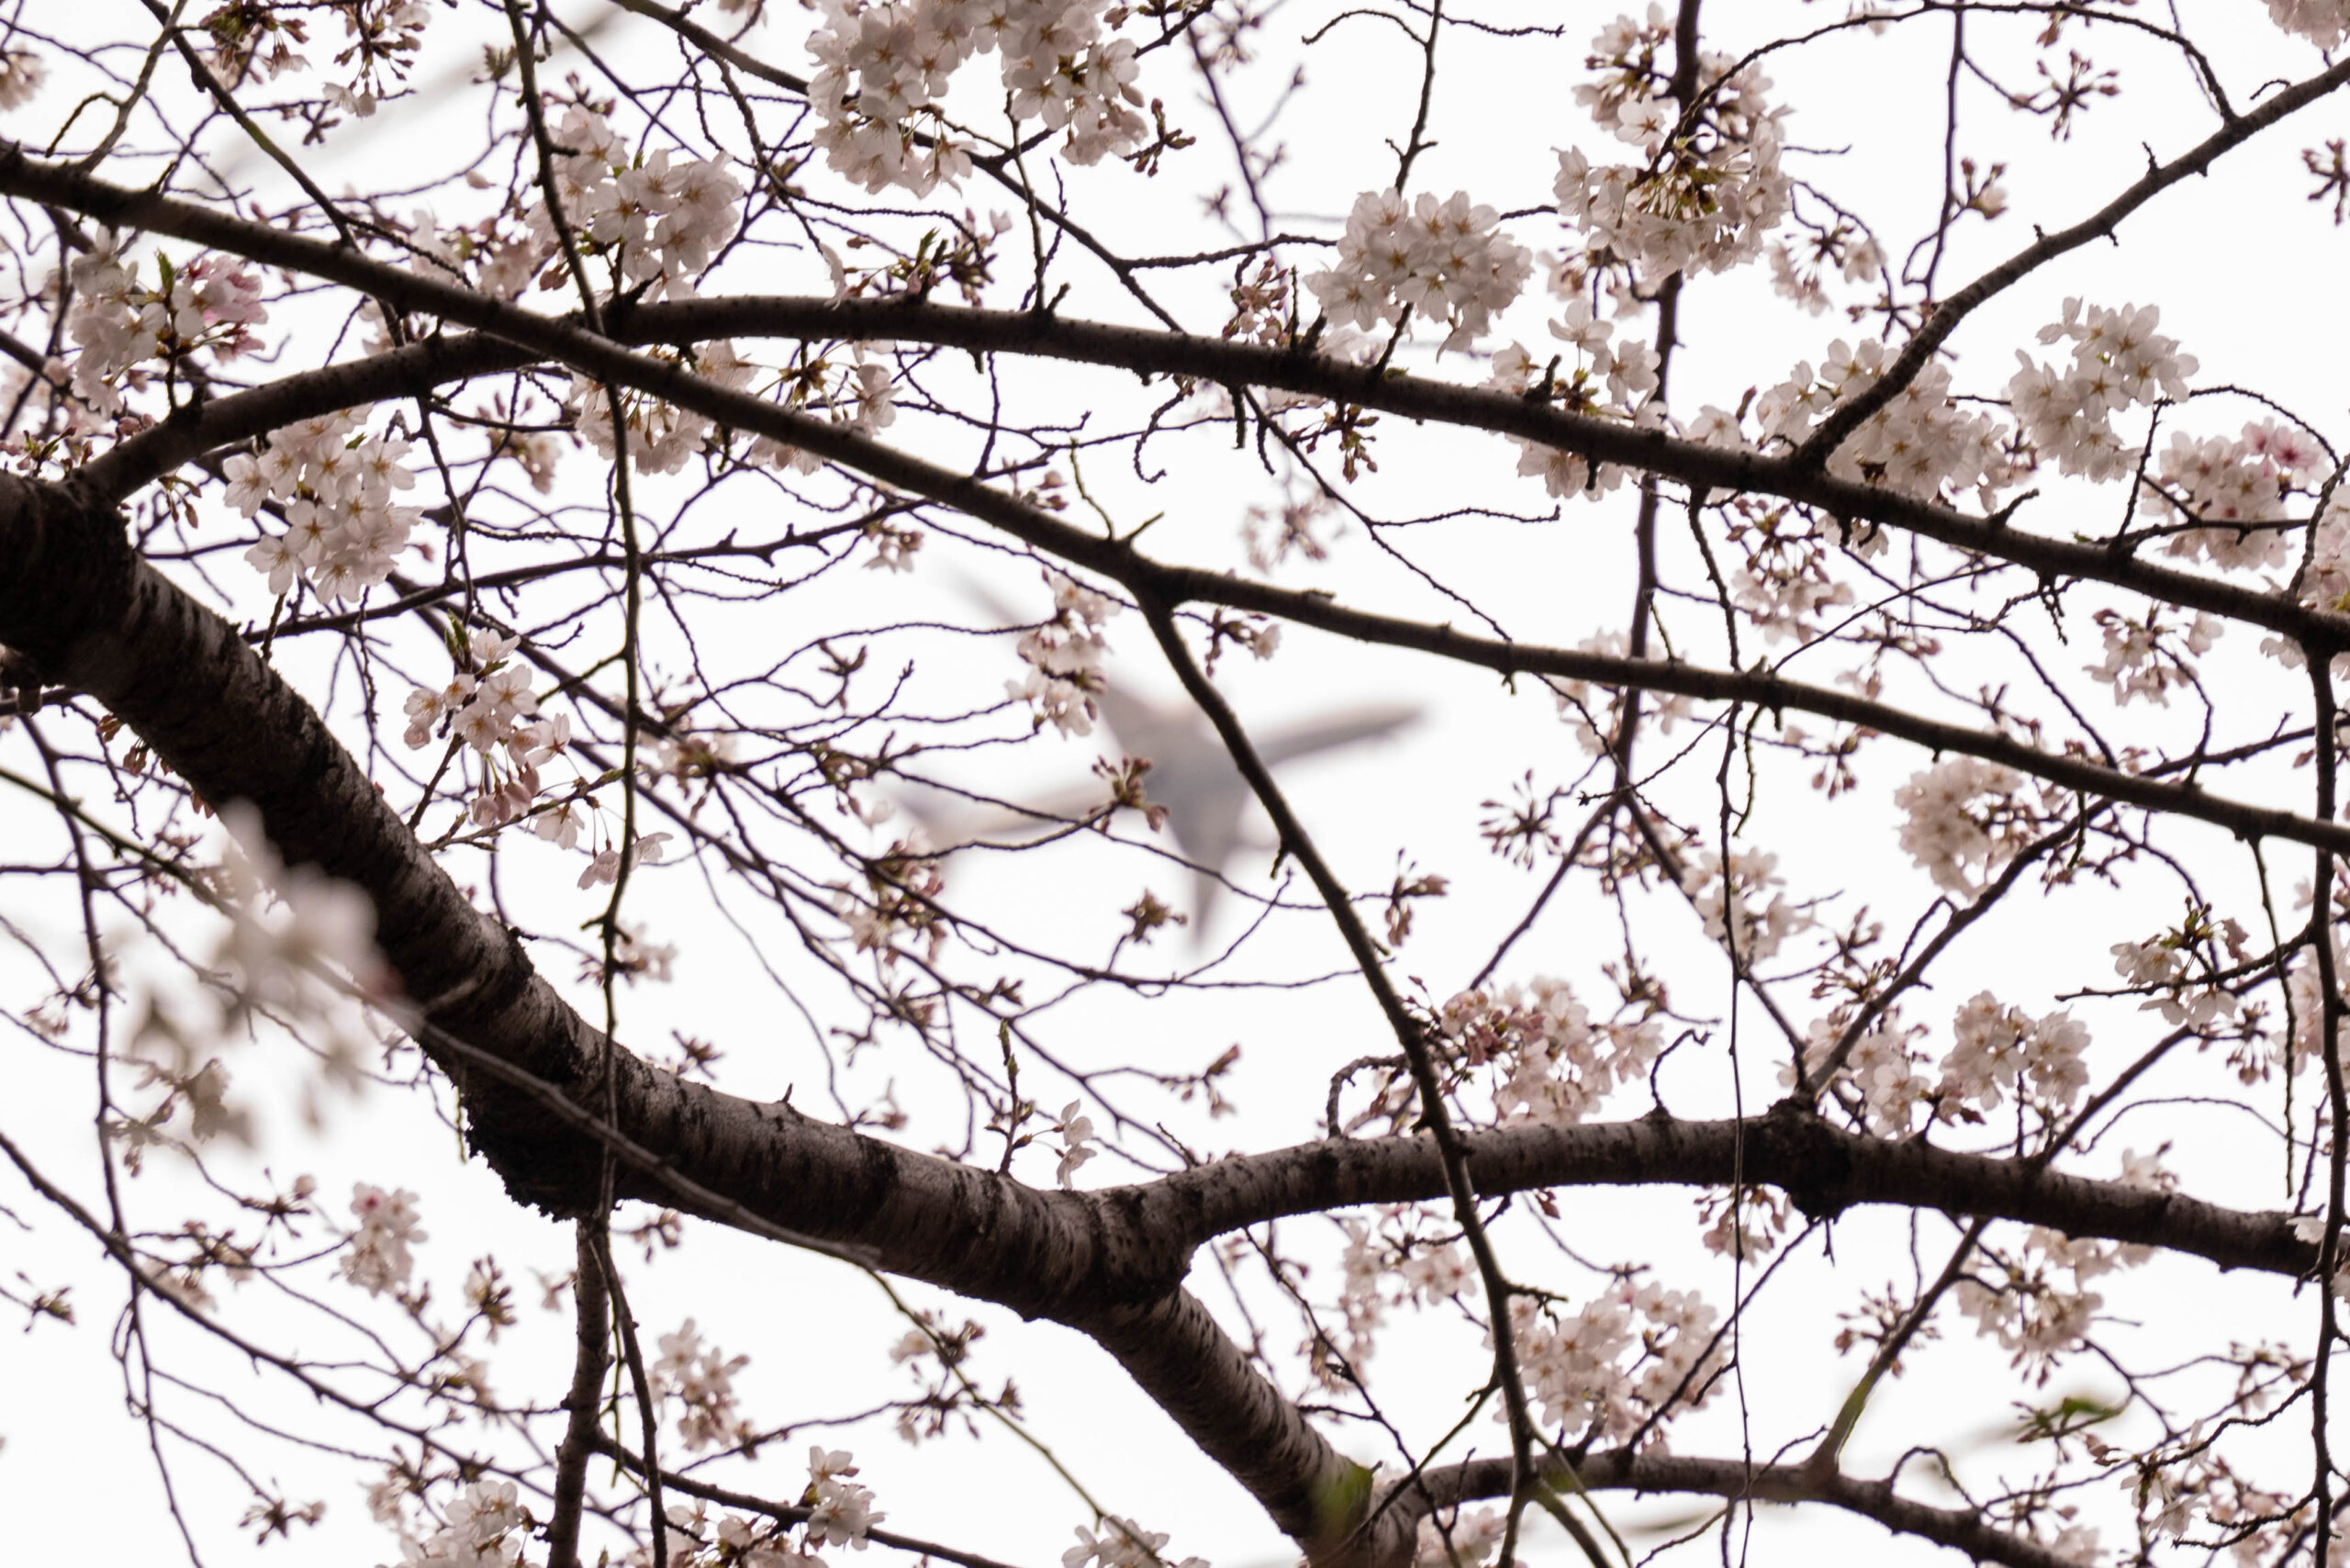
column 2170, row 967
column 1458, row 1538
column 210, row 304
column 335, row 485
column 1441, row 261
column 378, row 1258
column 647, row 848
column 1077, row 1143
column 701, row 1379
column 1595, row 724
column 2323, row 22
column 1998, row 1052
column 21, row 75
column 1600, row 384
column 1955, row 840
column 1558, row 1064
column 2035, row 1300
column 2151, row 656
column 1635, row 1347
column 1880, row 1072
column 840, row 1511
column 1123, row 1544
column 1923, row 442
column 2118, row 361
column 882, row 68
column 655, row 220
column 1064, row 659
column 1706, row 195
column 1735, row 915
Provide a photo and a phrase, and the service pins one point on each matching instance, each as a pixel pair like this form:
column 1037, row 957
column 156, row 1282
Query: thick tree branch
column 1617, row 1469
column 1824, row 1169
column 409, row 370
column 1144, row 351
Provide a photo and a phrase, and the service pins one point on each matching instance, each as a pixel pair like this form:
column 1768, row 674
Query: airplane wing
column 1336, row 730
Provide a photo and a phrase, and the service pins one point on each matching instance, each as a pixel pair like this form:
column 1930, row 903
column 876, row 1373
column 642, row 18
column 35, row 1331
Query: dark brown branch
column 404, row 371
column 1824, row 1169
column 583, row 1406
column 1146, row 351
column 1964, row 1529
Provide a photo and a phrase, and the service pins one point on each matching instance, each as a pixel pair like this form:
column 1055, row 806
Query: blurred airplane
column 1192, row 776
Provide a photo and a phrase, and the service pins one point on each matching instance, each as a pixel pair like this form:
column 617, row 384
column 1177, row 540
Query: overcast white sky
column 2240, row 265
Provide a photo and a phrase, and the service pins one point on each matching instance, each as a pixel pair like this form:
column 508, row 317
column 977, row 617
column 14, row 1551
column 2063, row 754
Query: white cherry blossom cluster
column 898, row 901
column 1384, row 1263
column 485, row 710
column 1880, row 1071
column 2150, row 656
column 493, row 255
column 2119, row 363
column 1123, row 1544
column 1703, row 197
column 491, row 709
column 1920, row 443
column 1362, row 1271
column 1601, row 1371
column 1853, row 254
column 840, row 1511
column 1558, row 1064
column 2234, row 486
column 1735, row 914
column 21, row 73
column 1606, row 380
column 378, row 1259
column 384, row 34
column 662, row 437
column 291, row 935
column 337, row 487
column 857, row 395
column 2306, row 998
column 1999, row 1052
column 2026, row 1306
column 1747, row 1223
column 1442, row 262
column 2018, row 1298
column 2323, row 22
column 2167, row 969
column 604, row 866
column 1064, row 681
column 1451, row 1538
column 2322, row 584
column 1783, row 586
column 380, row 34
column 487, row 1528
column 657, row 218
column 1436, row 1273
column 288, row 926
column 882, row 69
column 2171, row 1490
column 210, row 304
column 1962, row 826
column 701, row 1379
column 634, row 958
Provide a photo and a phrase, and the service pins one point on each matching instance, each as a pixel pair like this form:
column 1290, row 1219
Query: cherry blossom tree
column 659, row 607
